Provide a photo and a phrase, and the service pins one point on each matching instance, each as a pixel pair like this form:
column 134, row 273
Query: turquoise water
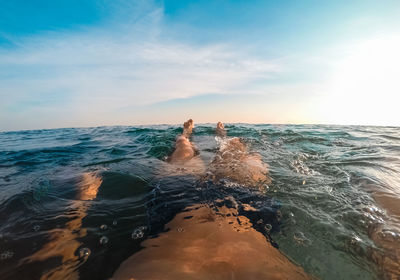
column 332, row 207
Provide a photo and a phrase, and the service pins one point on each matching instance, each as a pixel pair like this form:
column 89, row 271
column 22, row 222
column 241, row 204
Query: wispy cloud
column 96, row 71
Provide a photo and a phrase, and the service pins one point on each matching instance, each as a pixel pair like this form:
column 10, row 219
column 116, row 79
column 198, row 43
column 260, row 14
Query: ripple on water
column 336, row 187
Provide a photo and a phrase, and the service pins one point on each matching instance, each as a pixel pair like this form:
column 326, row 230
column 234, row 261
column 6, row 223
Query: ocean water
column 75, row 203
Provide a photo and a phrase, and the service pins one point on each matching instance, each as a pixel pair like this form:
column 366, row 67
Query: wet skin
column 210, row 244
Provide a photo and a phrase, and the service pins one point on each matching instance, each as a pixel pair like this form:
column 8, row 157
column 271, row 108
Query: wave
column 333, row 193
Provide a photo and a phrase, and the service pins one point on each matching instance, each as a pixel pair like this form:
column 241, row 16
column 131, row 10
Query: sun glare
column 364, row 88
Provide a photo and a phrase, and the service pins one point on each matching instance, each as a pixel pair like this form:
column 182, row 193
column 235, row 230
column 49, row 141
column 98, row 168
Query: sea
column 76, row 203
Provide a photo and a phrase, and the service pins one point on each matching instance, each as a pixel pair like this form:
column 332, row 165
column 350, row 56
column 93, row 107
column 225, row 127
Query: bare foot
column 187, row 128
column 221, row 129
column 233, row 162
column 184, row 149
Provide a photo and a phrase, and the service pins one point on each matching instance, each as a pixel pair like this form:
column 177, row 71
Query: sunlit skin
column 184, row 158
column 213, row 245
column 184, row 150
column 235, row 163
column 232, row 161
column 228, row 258
column 209, row 246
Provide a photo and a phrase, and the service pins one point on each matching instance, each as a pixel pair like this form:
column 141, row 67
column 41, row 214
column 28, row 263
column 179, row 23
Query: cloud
column 93, row 72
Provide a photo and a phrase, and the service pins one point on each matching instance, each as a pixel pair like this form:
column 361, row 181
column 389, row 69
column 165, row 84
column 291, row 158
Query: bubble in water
column 138, row 232
column 36, row 227
column 115, row 222
column 84, row 253
column 180, row 229
column 103, row 227
column 103, row 240
column 6, row 255
column 268, row 227
column 299, row 237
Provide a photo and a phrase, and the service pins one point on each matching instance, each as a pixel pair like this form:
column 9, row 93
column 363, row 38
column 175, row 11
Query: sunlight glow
column 365, row 85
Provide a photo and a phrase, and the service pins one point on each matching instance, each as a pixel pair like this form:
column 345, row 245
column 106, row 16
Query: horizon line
column 201, row 123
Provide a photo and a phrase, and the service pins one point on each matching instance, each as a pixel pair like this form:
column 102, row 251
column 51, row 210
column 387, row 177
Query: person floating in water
column 207, row 241
column 200, row 242
column 232, row 161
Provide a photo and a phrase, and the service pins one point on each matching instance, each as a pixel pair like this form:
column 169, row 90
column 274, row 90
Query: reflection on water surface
column 93, row 203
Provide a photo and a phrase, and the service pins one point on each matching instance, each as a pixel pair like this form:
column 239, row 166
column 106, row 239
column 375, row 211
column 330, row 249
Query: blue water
column 333, row 204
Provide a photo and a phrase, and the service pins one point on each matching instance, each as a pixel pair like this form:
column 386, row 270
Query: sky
column 71, row 63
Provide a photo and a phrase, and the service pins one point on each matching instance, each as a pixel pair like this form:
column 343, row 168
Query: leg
column 209, row 245
column 184, row 159
column 220, row 129
column 233, row 162
column 184, row 150
column 187, row 128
